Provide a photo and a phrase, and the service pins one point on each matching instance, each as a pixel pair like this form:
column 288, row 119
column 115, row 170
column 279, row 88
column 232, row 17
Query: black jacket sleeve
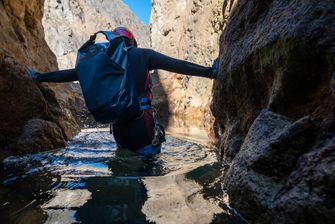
column 160, row 61
column 68, row 75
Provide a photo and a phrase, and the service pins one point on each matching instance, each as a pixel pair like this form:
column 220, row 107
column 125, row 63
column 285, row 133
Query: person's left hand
column 215, row 68
column 32, row 74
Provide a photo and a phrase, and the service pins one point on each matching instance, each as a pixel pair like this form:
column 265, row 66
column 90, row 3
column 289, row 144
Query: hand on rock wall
column 215, row 68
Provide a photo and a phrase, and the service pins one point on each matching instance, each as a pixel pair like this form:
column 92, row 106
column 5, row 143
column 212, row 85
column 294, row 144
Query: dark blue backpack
column 109, row 92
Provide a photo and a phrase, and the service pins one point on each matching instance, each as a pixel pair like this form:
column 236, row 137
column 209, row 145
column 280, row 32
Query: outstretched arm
column 161, row 61
column 68, row 75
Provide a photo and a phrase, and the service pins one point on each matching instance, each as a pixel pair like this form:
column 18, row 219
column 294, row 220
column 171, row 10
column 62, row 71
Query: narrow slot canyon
column 253, row 145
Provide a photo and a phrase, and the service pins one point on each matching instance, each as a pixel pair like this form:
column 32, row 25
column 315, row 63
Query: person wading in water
column 142, row 133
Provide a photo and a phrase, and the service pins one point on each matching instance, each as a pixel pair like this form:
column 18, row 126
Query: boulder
column 307, row 195
column 40, row 135
column 267, row 156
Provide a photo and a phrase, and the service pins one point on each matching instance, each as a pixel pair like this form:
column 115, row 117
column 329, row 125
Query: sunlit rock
column 190, row 30
column 69, row 24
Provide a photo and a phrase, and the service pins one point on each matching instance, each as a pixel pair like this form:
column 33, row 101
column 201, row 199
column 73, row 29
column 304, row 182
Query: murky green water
column 89, row 181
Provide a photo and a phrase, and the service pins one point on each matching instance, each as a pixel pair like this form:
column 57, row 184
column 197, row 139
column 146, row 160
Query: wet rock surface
column 277, row 56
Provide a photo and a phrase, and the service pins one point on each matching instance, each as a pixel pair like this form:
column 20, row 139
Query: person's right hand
column 215, row 68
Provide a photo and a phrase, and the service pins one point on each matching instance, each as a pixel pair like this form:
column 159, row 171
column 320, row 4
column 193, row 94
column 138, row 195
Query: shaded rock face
column 69, row 24
column 22, row 45
column 278, row 56
column 187, row 29
column 40, row 135
column 22, row 33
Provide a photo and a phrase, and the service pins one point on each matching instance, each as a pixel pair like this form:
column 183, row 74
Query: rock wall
column 185, row 29
column 274, row 106
column 69, row 24
column 24, row 106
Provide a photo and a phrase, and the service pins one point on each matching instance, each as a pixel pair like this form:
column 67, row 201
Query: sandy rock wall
column 186, row 29
column 22, row 45
column 274, row 106
column 22, row 33
column 69, row 24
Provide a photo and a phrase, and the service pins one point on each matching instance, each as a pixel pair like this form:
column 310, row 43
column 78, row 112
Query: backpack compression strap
column 145, row 102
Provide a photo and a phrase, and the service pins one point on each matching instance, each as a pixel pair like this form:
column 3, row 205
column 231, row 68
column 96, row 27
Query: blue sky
column 141, row 8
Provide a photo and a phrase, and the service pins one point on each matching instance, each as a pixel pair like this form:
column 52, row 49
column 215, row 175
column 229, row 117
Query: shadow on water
column 89, row 181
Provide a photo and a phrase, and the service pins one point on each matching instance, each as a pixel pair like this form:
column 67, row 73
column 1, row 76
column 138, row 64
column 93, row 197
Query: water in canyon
column 90, row 181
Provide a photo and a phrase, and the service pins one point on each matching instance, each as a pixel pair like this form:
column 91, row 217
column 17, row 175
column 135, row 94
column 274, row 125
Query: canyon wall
column 31, row 116
column 274, row 105
column 69, row 24
column 189, row 30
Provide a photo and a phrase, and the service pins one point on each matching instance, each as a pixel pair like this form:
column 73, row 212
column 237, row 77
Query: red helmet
column 124, row 32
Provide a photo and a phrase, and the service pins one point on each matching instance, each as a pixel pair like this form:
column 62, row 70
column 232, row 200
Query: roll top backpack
column 109, row 92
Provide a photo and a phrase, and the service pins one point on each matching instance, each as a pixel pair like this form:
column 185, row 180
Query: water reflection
column 136, row 166
column 175, row 199
column 91, row 182
column 114, row 200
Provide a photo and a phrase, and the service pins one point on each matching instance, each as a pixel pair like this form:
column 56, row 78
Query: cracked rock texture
column 68, row 24
column 274, row 108
column 185, row 29
column 22, row 45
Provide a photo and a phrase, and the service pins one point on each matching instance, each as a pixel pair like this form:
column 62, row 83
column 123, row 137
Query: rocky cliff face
column 28, row 111
column 186, row 29
column 69, row 24
column 274, row 103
